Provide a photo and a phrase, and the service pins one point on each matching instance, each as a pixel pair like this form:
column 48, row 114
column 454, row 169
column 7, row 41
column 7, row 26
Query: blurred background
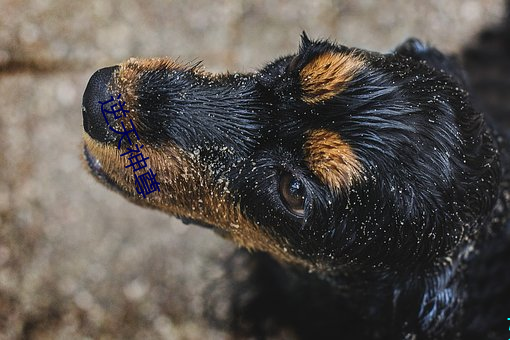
column 80, row 262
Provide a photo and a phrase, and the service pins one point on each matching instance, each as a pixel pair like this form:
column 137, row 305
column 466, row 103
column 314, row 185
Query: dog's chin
column 96, row 169
column 221, row 232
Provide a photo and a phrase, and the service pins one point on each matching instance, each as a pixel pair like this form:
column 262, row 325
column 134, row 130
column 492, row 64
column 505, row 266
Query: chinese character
column 112, row 108
column 129, row 150
column 146, row 183
column 137, row 161
column 125, row 133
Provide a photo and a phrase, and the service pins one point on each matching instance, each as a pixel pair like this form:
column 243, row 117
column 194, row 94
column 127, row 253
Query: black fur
column 433, row 185
column 381, row 288
column 416, row 249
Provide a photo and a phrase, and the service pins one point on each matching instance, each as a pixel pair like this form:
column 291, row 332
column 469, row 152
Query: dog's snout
column 96, row 91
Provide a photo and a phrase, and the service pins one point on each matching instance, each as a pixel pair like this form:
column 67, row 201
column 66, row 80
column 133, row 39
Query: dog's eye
column 292, row 193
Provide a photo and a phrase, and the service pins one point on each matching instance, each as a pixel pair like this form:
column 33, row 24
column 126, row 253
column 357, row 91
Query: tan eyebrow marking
column 331, row 159
column 328, row 75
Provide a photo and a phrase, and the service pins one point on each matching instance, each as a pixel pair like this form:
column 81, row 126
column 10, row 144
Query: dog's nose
column 97, row 90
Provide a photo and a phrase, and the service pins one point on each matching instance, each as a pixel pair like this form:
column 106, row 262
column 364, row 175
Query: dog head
column 330, row 158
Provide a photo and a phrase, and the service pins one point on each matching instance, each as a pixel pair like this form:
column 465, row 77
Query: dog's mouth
column 97, row 170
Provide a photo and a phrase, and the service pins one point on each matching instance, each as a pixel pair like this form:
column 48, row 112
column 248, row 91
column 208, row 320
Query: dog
column 370, row 189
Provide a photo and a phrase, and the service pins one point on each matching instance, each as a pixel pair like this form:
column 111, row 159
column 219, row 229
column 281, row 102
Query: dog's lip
column 93, row 162
column 97, row 170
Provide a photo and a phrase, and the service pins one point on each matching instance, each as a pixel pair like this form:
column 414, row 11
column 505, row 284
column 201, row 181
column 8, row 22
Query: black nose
column 94, row 122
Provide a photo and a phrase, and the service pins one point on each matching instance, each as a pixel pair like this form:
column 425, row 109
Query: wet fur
column 439, row 267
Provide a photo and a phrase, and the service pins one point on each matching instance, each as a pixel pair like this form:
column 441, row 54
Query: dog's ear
column 417, row 50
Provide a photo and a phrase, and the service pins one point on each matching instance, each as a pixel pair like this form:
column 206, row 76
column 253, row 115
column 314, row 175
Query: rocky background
column 79, row 262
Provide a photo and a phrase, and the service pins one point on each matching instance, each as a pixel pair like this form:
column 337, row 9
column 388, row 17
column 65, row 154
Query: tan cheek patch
column 331, row 159
column 328, row 75
column 186, row 190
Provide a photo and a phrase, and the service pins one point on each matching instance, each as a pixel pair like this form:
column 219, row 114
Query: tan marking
column 328, row 75
column 186, row 190
column 331, row 159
